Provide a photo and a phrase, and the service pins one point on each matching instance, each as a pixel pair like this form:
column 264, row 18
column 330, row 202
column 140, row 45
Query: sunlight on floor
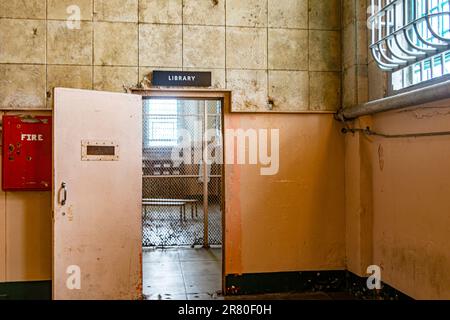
column 182, row 273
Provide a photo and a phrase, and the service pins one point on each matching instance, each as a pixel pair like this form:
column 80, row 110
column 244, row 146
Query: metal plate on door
column 99, row 150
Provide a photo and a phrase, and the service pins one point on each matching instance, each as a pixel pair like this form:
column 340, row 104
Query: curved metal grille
column 404, row 32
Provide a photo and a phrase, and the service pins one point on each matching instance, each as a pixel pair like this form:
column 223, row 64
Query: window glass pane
column 160, row 123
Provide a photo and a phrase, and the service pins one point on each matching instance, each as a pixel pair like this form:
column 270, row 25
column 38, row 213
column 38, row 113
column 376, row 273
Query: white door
column 97, row 188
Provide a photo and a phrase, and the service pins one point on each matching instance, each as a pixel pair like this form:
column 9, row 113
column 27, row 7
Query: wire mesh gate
column 179, row 208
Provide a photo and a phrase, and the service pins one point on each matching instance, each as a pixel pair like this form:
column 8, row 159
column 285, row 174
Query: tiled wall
column 362, row 79
column 284, row 50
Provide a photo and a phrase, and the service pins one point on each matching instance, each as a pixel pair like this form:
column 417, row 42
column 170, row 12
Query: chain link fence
column 173, row 192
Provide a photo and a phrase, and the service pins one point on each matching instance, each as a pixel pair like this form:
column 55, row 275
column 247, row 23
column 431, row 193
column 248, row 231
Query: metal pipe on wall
column 416, row 97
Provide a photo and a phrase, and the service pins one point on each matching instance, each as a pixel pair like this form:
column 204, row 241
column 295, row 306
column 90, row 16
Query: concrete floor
column 195, row 274
column 182, row 274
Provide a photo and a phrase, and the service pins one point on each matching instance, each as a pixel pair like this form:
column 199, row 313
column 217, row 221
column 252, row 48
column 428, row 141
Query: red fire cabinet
column 27, row 153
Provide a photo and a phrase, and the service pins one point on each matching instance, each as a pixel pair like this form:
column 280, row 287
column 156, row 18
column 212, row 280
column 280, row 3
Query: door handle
column 63, row 194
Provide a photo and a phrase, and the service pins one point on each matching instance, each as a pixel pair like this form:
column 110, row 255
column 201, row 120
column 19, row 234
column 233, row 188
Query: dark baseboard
column 261, row 283
column 357, row 286
column 35, row 290
column 248, row 284
column 309, row 281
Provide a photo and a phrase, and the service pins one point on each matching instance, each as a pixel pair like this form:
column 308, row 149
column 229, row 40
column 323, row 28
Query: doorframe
column 200, row 94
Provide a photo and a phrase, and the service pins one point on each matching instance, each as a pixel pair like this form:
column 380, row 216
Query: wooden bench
column 174, row 203
column 180, row 204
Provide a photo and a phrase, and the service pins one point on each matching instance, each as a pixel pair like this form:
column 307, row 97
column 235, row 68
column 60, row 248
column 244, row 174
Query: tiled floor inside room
column 182, row 274
column 195, row 274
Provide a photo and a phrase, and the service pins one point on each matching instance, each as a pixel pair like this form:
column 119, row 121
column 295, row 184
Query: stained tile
column 325, row 91
column 77, row 77
column 288, row 49
column 204, row 12
column 249, row 89
column 30, row 9
column 69, row 9
column 248, row 13
column 116, row 10
column 324, row 50
column 288, row 14
column 289, row 90
column 115, row 44
column 325, row 15
column 161, row 11
column 69, row 46
column 22, row 86
column 160, row 45
column 115, row 79
column 24, row 41
column 252, row 55
column 204, row 47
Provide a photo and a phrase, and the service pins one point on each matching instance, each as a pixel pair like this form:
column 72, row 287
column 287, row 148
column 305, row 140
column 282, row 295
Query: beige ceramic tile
column 348, row 46
column 116, row 10
column 288, row 49
column 362, row 74
column 160, row 45
column 76, row 77
column 22, row 86
column 204, row 47
column 348, row 11
column 349, row 87
column 249, row 90
column 246, row 48
column 69, row 46
column 324, row 50
column 29, row 9
column 204, row 12
column 288, row 14
column 115, row 44
column 22, row 41
column 115, row 79
column 325, row 91
column 65, row 9
column 161, row 11
column 248, row 13
column 325, row 15
column 289, row 90
column 377, row 82
column 362, row 42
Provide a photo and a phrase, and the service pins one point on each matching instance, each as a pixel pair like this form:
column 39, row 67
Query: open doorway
column 182, row 197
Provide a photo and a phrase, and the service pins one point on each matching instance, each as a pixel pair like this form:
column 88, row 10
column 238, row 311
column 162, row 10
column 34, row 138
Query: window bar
column 388, row 50
column 443, row 63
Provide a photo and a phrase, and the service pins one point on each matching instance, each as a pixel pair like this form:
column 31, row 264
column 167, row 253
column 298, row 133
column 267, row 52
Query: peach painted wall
column 411, row 196
column 293, row 221
column 398, row 204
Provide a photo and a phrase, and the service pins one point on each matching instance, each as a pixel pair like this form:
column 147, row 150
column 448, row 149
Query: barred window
column 160, row 123
column 410, row 39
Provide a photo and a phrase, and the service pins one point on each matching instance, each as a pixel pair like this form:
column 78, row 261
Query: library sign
column 181, row 79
